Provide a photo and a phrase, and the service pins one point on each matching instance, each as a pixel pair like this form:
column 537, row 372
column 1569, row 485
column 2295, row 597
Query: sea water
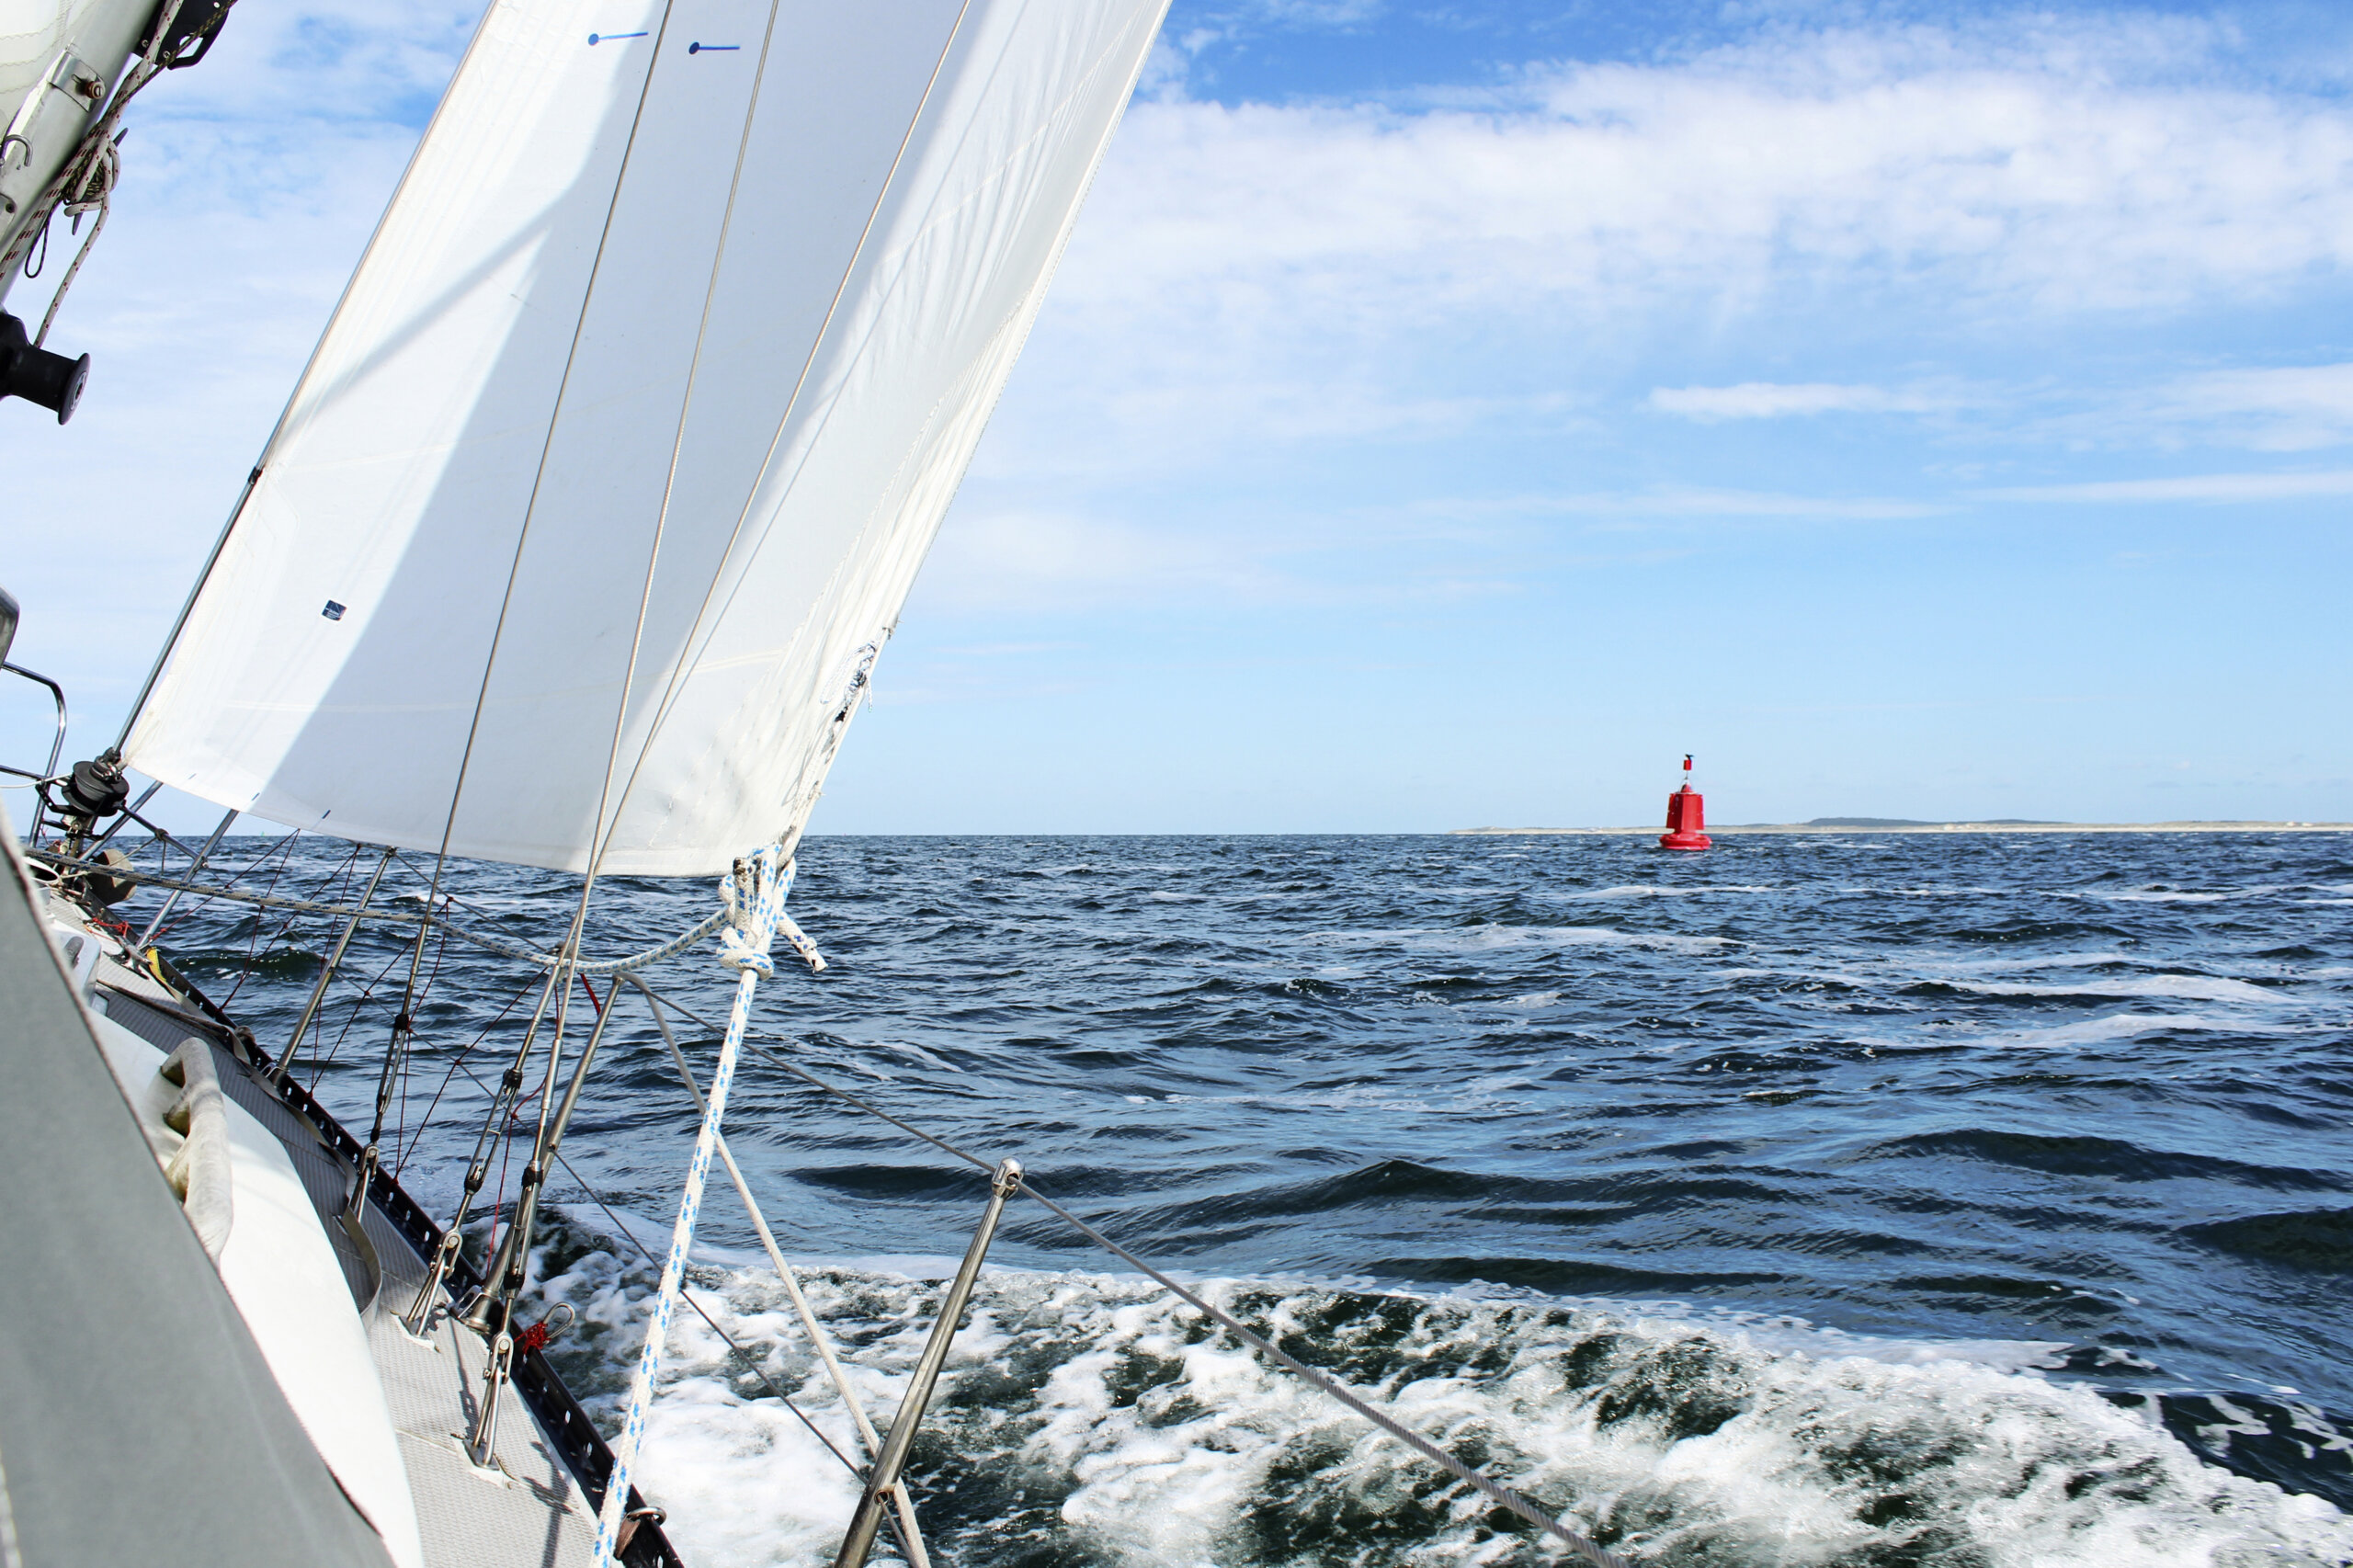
column 1866, row 1200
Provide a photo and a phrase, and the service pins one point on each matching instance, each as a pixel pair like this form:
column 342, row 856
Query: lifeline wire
column 700, row 1311
column 1501, row 1496
column 599, row 967
column 622, row 1230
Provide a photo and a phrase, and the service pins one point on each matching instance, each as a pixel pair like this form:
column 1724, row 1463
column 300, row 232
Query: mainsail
column 617, row 461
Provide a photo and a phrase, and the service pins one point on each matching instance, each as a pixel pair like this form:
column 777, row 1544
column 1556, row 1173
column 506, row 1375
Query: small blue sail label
column 608, row 38
column 333, row 610
column 699, row 47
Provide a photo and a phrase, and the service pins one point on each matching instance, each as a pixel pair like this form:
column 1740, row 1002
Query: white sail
column 32, row 31
column 617, row 459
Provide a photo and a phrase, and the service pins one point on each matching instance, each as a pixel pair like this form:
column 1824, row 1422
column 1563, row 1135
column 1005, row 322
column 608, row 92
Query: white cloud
column 1020, row 559
column 2046, row 181
column 1699, row 504
column 2280, row 409
column 1252, row 274
column 1432, row 550
column 2207, row 487
column 2288, row 409
column 1776, row 400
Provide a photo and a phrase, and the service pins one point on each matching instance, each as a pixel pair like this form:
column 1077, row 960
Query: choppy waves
column 1945, row 1200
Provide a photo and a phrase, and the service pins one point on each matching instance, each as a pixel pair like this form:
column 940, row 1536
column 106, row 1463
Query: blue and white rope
column 744, row 947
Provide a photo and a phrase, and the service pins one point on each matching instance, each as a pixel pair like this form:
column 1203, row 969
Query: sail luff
column 277, row 427
column 420, row 216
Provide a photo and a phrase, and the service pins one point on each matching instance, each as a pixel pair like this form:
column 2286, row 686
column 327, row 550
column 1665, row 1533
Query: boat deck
column 529, row 1508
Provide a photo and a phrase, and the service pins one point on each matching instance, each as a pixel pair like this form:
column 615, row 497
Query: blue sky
column 1450, row 414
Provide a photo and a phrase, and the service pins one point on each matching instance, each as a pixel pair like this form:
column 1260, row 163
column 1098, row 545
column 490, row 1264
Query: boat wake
column 1088, row 1419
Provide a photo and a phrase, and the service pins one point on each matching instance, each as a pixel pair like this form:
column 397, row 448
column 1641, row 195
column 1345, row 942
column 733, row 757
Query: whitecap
column 1113, row 1429
column 1488, row 938
column 2129, row 1025
column 1648, row 890
column 2021, row 962
column 2189, row 987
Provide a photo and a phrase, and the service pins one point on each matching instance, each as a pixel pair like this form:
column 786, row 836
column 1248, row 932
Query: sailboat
column 574, row 548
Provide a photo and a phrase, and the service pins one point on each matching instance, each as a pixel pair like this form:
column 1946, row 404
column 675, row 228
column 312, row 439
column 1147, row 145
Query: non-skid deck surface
column 525, row 1511
column 528, row 1510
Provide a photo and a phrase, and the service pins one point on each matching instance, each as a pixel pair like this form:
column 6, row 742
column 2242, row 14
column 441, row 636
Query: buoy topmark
column 1686, row 815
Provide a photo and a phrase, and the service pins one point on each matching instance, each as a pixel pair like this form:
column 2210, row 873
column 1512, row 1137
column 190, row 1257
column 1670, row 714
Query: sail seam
column 605, row 831
column 556, row 416
column 687, row 658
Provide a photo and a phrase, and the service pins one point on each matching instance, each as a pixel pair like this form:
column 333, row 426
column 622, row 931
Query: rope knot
column 736, row 952
column 752, row 897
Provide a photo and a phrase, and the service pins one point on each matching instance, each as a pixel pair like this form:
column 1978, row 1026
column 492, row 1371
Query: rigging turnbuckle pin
column 482, row 1443
column 445, row 1256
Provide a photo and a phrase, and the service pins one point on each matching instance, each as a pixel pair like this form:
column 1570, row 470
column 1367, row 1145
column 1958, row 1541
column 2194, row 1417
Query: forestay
column 620, row 455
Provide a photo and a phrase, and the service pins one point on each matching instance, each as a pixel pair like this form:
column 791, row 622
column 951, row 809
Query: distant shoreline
column 1927, row 827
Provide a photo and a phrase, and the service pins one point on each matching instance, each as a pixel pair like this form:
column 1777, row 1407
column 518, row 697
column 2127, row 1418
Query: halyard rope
column 755, row 899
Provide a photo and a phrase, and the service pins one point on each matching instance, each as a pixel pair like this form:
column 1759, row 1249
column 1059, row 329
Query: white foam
column 2189, row 987
column 2021, row 962
column 929, row 1059
column 2129, row 1025
column 1647, row 890
column 1489, row 938
column 1128, row 1436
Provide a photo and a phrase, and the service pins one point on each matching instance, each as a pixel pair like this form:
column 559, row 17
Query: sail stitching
column 539, row 475
column 687, row 660
column 605, row 830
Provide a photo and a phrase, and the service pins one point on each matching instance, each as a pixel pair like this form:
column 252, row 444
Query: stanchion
column 885, row 1474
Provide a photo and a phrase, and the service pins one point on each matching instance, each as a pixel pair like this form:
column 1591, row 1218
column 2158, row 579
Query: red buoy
column 1686, row 815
